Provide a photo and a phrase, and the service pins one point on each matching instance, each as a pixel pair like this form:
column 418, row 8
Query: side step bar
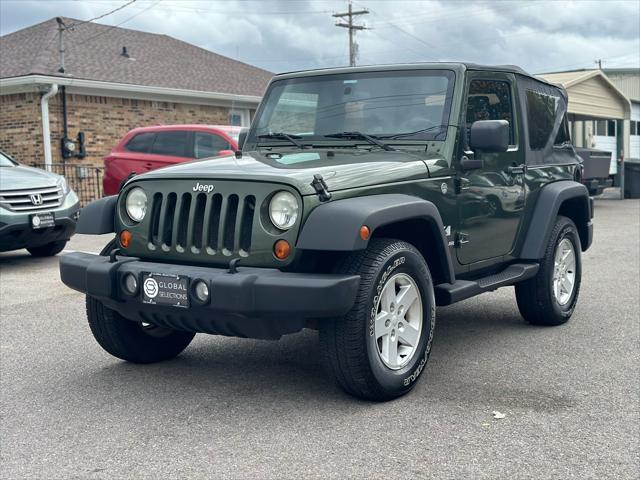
column 448, row 293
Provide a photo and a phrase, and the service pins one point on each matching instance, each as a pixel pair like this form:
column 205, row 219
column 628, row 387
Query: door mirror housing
column 242, row 136
column 489, row 136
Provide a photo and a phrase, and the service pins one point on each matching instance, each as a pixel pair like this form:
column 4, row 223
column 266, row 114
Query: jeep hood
column 21, row 177
column 341, row 169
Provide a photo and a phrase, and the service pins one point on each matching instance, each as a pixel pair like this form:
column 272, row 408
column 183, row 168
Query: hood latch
column 320, row 186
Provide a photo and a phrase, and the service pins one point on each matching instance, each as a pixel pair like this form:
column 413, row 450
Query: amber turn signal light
column 281, row 249
column 364, row 232
column 125, row 238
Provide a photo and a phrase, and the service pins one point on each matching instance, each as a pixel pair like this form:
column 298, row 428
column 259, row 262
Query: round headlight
column 136, row 204
column 283, row 210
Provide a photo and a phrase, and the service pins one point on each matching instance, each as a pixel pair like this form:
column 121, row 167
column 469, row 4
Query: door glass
column 208, row 145
column 140, row 143
column 171, row 143
column 490, row 100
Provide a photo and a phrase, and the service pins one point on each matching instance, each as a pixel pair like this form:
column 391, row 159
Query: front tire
column 550, row 297
column 380, row 348
column 132, row 341
column 48, row 250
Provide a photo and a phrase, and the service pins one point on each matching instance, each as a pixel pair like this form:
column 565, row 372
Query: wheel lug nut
column 387, row 323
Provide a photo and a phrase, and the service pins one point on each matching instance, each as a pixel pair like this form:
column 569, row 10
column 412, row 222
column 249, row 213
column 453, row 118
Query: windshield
column 6, row 161
column 410, row 105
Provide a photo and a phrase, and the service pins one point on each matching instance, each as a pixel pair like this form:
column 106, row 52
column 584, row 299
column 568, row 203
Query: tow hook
column 320, row 186
column 233, row 265
column 112, row 255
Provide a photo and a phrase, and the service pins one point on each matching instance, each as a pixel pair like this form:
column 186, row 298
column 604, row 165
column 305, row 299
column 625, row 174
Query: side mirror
column 490, row 136
column 242, row 136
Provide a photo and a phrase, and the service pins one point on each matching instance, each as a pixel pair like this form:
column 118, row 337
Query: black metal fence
column 85, row 180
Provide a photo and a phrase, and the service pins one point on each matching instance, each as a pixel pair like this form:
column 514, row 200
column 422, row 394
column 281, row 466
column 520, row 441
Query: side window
column 490, row 100
column 208, row 145
column 140, row 143
column 563, row 134
column 171, row 143
column 541, row 115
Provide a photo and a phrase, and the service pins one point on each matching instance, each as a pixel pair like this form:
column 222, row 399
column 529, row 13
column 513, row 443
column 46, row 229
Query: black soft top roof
column 413, row 66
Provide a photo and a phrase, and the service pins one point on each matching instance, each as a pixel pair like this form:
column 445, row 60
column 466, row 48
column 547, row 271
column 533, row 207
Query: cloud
column 284, row 35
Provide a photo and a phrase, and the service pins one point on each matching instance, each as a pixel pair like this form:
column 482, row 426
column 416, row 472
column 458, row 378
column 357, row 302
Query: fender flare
column 97, row 217
column 547, row 207
column 335, row 226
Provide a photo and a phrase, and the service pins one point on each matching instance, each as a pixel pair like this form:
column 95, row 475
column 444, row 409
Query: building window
column 635, row 127
column 605, row 128
column 239, row 118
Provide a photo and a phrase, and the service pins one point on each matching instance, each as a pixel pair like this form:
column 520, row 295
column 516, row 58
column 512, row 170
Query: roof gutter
column 46, row 130
column 126, row 90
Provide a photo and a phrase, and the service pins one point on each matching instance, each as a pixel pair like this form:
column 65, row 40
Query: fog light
column 201, row 291
column 130, row 283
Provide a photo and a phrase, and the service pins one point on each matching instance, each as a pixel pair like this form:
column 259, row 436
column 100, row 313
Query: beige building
column 604, row 110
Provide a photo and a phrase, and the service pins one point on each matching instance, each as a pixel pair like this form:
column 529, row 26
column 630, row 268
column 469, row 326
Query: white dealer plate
column 164, row 289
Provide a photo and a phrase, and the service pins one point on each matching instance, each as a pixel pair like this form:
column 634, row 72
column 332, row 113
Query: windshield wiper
column 284, row 136
column 408, row 134
column 372, row 140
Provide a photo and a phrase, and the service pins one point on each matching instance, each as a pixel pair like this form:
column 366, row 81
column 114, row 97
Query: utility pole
column 61, row 29
column 599, row 63
column 353, row 46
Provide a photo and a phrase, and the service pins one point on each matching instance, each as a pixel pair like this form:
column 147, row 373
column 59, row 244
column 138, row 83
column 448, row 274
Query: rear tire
column 380, row 348
column 129, row 340
column 48, row 250
column 543, row 299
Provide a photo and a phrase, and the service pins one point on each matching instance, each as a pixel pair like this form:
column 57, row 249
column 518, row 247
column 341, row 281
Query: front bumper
column 16, row 231
column 253, row 302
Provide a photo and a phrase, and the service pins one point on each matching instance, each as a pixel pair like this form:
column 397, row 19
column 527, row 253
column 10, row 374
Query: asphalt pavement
column 233, row 408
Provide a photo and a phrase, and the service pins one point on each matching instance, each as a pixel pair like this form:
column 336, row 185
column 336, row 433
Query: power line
column 88, row 39
column 100, row 16
column 353, row 46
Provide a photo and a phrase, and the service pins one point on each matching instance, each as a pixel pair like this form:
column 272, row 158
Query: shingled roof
column 94, row 52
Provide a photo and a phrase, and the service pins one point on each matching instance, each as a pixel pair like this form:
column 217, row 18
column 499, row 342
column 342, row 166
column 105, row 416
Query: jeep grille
column 202, row 223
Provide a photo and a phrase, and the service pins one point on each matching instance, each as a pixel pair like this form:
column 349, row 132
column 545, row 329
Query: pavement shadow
column 289, row 371
column 20, row 258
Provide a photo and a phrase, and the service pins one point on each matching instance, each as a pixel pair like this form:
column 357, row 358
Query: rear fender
column 567, row 198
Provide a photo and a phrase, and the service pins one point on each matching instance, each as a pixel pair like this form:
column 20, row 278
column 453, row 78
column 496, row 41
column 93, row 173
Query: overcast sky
column 283, row 35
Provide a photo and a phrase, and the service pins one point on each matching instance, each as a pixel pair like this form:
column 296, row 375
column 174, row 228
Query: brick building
column 114, row 79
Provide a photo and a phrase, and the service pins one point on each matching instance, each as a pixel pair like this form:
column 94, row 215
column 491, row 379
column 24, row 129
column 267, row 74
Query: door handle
column 517, row 169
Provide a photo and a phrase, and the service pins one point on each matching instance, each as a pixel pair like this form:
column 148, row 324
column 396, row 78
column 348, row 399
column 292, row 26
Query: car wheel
column 380, row 348
column 136, row 342
column 48, row 250
column 550, row 297
column 495, row 208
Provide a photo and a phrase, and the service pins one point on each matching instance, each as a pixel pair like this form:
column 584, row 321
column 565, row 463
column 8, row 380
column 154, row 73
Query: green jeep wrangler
column 362, row 199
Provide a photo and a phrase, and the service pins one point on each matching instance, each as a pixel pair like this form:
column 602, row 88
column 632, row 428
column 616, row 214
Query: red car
column 148, row 148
